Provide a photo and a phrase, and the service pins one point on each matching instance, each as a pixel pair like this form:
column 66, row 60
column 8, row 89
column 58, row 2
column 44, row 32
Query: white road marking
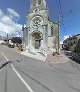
column 26, row 84
column 4, row 56
column 20, row 77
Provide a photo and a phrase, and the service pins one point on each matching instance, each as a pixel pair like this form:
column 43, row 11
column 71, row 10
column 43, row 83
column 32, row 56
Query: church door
column 37, row 39
column 37, row 44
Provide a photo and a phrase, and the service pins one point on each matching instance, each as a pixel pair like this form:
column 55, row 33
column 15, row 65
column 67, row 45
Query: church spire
column 37, row 4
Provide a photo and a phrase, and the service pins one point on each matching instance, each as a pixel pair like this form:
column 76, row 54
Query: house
column 71, row 42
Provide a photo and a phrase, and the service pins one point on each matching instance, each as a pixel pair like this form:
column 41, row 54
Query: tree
column 17, row 40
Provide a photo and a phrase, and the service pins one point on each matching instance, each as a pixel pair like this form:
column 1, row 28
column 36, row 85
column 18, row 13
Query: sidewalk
column 34, row 55
column 50, row 58
column 56, row 58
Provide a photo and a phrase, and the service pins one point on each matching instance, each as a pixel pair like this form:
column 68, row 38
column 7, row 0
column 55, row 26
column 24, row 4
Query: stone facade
column 40, row 34
column 71, row 42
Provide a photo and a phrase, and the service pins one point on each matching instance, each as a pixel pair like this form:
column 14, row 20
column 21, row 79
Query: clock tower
column 37, row 26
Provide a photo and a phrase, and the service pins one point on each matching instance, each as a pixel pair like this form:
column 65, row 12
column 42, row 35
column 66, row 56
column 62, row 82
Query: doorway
column 37, row 44
column 37, row 36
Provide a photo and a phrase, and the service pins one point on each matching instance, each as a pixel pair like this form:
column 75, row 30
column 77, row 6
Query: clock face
column 36, row 22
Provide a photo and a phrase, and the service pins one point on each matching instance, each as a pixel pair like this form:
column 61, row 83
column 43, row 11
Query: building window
column 74, row 42
column 51, row 31
column 39, row 2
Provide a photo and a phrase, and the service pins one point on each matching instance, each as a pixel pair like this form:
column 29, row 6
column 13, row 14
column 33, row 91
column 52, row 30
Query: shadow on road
column 5, row 64
column 77, row 61
column 69, row 55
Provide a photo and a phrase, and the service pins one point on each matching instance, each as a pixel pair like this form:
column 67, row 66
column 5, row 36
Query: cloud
column 1, row 13
column 8, row 24
column 66, row 36
column 12, row 12
column 61, row 42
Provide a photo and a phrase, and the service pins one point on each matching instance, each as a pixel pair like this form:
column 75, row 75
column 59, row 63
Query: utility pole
column 7, row 39
column 23, row 37
column 59, row 35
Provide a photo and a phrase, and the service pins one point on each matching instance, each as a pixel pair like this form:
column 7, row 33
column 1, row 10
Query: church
column 41, row 34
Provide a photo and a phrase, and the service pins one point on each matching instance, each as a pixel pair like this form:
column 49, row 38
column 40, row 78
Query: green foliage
column 11, row 46
column 17, row 40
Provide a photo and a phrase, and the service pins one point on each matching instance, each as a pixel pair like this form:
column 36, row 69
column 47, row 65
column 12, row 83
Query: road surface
column 19, row 73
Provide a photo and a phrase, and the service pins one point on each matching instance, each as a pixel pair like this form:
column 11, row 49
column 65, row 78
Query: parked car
column 76, row 56
column 10, row 45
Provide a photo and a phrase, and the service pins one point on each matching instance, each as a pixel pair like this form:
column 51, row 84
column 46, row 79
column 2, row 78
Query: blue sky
column 15, row 11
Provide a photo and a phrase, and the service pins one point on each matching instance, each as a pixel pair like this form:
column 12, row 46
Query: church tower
column 41, row 34
column 37, row 4
column 37, row 26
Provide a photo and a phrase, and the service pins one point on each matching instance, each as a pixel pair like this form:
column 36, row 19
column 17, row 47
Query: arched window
column 39, row 2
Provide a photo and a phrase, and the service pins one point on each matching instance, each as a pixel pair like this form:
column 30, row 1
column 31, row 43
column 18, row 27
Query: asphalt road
column 19, row 73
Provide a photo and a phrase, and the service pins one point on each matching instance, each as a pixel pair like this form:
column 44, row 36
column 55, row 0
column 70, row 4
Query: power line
column 61, row 14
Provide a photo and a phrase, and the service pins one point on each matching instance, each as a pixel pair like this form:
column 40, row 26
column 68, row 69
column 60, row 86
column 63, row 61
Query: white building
column 41, row 34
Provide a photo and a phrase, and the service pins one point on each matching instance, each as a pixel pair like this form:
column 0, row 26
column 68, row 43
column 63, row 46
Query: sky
column 13, row 15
